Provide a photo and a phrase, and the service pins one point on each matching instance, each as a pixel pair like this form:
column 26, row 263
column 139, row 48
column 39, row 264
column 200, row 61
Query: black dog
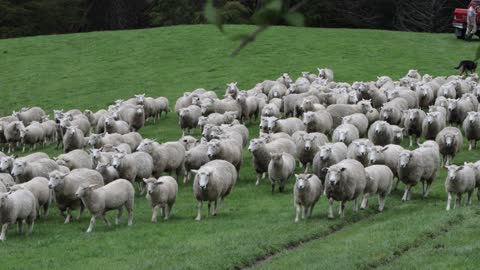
column 467, row 66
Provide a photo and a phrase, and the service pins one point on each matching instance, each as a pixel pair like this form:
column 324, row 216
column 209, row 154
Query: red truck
column 460, row 19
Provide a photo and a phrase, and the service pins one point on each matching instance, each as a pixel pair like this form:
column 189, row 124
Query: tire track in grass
column 418, row 242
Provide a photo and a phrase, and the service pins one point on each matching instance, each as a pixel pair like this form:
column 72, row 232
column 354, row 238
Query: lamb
column 79, row 121
column 458, row 110
column 75, row 159
column 359, row 120
column 320, row 121
column 450, row 140
column 32, row 135
column 134, row 115
column 94, row 117
column 380, row 133
column 471, row 128
column 308, row 105
column 12, row 134
column 162, row 105
column 386, row 155
column 306, row 193
column 308, row 146
column 24, row 171
column 17, row 207
column 189, row 118
column 345, row 133
column 345, row 181
column 133, row 166
column 397, row 134
column 188, row 142
column 460, row 180
column 6, row 179
column 213, row 181
column 226, row 149
column 195, row 158
column 39, row 188
column 113, row 126
column 261, row 153
column 108, row 173
column 358, row 150
column 289, row 125
column 391, row 112
column 325, row 73
column 30, row 115
column 249, row 105
column 328, row 155
column 433, row 123
column 425, row 95
column 271, row 110
column 419, row 165
column 379, row 181
column 167, row 157
column 162, row 193
column 338, row 111
column 148, row 104
column 73, row 139
column 280, row 168
column 414, row 123
column 113, row 196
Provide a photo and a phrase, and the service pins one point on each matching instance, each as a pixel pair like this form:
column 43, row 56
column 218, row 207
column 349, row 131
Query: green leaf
column 477, row 54
column 296, row 19
column 212, row 16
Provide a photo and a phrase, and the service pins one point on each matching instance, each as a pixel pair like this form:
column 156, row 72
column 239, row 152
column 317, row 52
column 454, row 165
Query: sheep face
column 5, row 163
column 302, row 181
column 413, row 73
column 325, row 152
column 449, row 140
column 255, row 144
column 413, row 115
column 276, row 158
column 101, row 167
column 18, row 168
column 56, row 180
column 342, row 134
column 361, row 149
column 309, row 139
column 146, row 145
column 3, row 199
column 207, row 130
column 424, row 90
column 472, row 116
column 232, row 88
column 117, row 160
column 452, row 104
column 352, row 97
column 84, row 190
column 213, row 148
column 380, row 128
column 152, row 184
column 272, row 123
column 398, row 134
column 203, row 177
column 286, row 79
column 381, row 81
column 293, row 88
column 334, row 175
column 431, row 117
column 366, row 106
column 109, row 120
column 405, row 157
column 452, row 171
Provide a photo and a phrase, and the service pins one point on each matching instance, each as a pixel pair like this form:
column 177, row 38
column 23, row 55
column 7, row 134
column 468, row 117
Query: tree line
column 34, row 17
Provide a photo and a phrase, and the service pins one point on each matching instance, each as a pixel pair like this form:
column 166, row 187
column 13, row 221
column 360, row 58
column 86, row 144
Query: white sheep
column 306, row 193
column 24, row 171
column 460, row 179
column 109, row 173
column 379, row 181
column 280, row 168
column 345, row 133
column 16, row 207
column 39, row 188
column 75, row 159
column 167, row 157
column 161, row 193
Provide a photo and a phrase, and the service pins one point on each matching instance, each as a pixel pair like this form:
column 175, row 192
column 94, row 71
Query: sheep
column 226, row 149
column 447, row 90
column 372, row 116
column 337, row 111
column 379, row 181
column 414, row 123
column 450, row 140
column 113, row 196
column 302, row 83
column 320, row 121
column 113, row 126
column 433, row 123
column 328, row 155
column 386, row 155
column 269, row 137
column 194, row 159
column 24, row 170
column 458, row 110
column 407, row 94
column 397, row 134
column 108, row 172
column 6, row 162
column 148, row 104
column 391, row 112
column 278, row 102
column 6, row 179
column 189, row 118
column 121, row 148
column 293, row 102
column 222, row 106
column 30, row 115
column 308, row 146
column 289, row 125
column 134, row 115
column 133, row 139
column 419, row 165
column 261, row 153
column 75, row 159
column 309, row 105
column 162, row 193
column 17, row 207
column 325, row 73
column 49, row 129
column 97, row 140
column 73, row 139
column 39, row 188
column 32, row 135
column 345, row 133
column 94, row 117
column 358, row 150
column 188, row 142
column 213, row 181
column 167, row 157
column 162, row 105
column 79, row 121
column 65, row 186
column 380, row 133
column 133, row 166
column 471, row 128
column 306, row 193
column 278, row 90
column 98, row 156
column 4, row 121
column 249, row 107
column 344, row 181
column 271, row 110
column 12, row 134
column 460, row 179
column 280, row 168
column 359, row 120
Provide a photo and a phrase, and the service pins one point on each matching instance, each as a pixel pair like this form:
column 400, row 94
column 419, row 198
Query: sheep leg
column 273, row 187
column 23, row 149
column 209, row 206
column 407, row 191
column 355, row 205
column 427, row 191
column 215, row 208
column 119, row 215
column 311, row 210
column 381, row 202
column 92, row 222
column 298, row 209
column 167, row 212
column 470, row 146
column 330, row 208
column 30, row 226
column 3, row 236
column 130, row 214
column 199, row 211
column 396, row 184
column 259, row 175
column 478, row 193
column 104, row 217
column 186, row 177
column 411, row 141
column 155, row 214
column 423, row 189
column 449, row 201
column 364, row 201
column 305, row 212
column 469, row 198
column 19, row 226
column 69, row 216
column 458, row 201
column 306, row 167
column 34, row 146
column 341, row 209
column 82, row 207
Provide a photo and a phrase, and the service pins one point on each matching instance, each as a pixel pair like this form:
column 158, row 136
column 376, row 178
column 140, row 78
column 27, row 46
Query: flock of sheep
column 346, row 137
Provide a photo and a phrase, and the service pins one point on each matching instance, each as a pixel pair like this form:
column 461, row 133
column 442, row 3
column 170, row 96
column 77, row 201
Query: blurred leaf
column 275, row 5
column 477, row 54
column 295, row 19
column 212, row 16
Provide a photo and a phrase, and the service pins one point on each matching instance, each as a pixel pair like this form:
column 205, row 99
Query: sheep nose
column 307, row 148
column 332, row 183
column 210, row 155
column 50, row 186
column 203, row 187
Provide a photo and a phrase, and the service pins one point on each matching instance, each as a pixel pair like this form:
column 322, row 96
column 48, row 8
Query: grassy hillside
column 91, row 70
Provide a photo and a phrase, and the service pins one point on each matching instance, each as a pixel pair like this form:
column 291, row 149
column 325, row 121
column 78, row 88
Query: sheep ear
column 195, row 171
column 460, row 168
column 92, row 186
column 309, row 176
column 145, row 180
column 159, row 182
column 384, row 148
column 343, row 169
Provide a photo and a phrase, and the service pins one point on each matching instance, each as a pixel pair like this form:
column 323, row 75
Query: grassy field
column 254, row 228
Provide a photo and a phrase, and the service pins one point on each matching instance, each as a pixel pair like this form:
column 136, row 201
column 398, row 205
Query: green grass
column 91, row 70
